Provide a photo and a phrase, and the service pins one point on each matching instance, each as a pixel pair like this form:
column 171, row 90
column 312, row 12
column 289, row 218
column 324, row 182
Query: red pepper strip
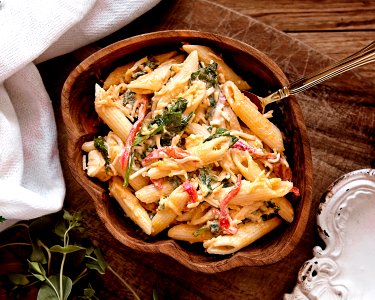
column 190, row 189
column 295, row 191
column 171, row 151
column 158, row 183
column 224, row 212
column 124, row 159
column 252, row 150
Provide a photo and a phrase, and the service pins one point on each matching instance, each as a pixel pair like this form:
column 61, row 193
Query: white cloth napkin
column 31, row 181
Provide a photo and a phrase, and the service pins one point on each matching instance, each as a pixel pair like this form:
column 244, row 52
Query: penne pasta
column 188, row 153
column 130, row 204
column 207, row 55
column 172, row 207
column 189, row 233
column 150, row 193
column 246, row 234
column 250, row 115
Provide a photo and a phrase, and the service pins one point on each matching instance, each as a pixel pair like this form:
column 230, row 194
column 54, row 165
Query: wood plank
column 339, row 45
column 308, row 15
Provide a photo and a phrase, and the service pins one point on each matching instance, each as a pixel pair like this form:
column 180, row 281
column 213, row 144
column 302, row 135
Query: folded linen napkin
column 31, row 181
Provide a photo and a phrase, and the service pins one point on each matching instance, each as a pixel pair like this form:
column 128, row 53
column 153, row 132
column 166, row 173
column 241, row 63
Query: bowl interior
column 262, row 74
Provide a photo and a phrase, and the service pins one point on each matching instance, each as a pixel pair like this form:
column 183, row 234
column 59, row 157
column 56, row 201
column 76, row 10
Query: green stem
column 123, row 282
column 53, row 287
column 61, row 276
column 81, row 275
column 15, row 244
column 48, row 254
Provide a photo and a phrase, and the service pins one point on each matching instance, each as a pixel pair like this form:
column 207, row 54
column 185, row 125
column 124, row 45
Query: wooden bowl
column 261, row 72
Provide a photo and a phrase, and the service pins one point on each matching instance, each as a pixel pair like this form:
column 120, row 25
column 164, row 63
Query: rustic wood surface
column 339, row 115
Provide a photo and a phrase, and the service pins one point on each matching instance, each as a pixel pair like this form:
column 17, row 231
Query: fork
column 362, row 57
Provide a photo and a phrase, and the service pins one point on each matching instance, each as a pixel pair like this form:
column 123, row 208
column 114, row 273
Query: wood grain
column 336, row 28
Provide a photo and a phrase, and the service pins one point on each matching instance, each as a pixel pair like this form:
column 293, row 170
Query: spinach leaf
column 170, row 122
column 222, row 132
column 207, row 74
column 128, row 97
column 99, row 144
column 206, row 178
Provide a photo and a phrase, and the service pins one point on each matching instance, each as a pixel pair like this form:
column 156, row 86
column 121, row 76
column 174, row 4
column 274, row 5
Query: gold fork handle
column 362, row 57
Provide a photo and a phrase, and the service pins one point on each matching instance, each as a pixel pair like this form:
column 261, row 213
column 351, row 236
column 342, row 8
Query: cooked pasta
column 188, row 151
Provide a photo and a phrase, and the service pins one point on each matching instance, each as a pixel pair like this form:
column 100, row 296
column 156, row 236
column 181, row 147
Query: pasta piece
column 245, row 164
column 96, row 166
column 285, row 208
column 130, row 204
column 250, row 115
column 211, row 151
column 171, row 167
column 117, row 76
column 194, row 95
column 207, row 55
column 189, row 233
column 153, row 81
column 173, row 206
column 202, row 214
column 150, row 193
column 197, row 129
column 176, row 84
column 261, row 190
column 112, row 116
column 246, row 234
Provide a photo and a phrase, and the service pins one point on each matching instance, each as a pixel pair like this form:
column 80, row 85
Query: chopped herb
column 176, row 182
column 170, row 122
column 212, row 100
column 207, row 74
column 266, row 217
column 128, row 169
column 137, row 74
column 215, row 228
column 222, row 132
column 201, row 230
column 128, row 98
column 152, row 63
column 226, row 183
column 99, row 144
column 271, row 204
column 206, row 179
column 2, row 219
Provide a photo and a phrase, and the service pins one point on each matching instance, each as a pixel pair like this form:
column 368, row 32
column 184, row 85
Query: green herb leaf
column 207, row 74
column 152, row 63
column 222, row 132
column 170, row 122
column 97, row 264
column 2, row 219
column 99, row 144
column 128, row 169
column 128, row 97
column 37, row 270
column 201, row 230
column 88, row 293
column 18, row 279
column 215, row 228
column 206, row 179
column 50, row 289
column 65, row 250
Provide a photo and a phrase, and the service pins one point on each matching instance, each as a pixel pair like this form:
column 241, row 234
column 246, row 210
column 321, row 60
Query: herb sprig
column 46, row 264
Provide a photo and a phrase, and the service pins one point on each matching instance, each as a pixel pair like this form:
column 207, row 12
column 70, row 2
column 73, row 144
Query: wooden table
column 339, row 115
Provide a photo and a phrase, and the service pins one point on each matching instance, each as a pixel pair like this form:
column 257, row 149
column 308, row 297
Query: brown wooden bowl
column 261, row 72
